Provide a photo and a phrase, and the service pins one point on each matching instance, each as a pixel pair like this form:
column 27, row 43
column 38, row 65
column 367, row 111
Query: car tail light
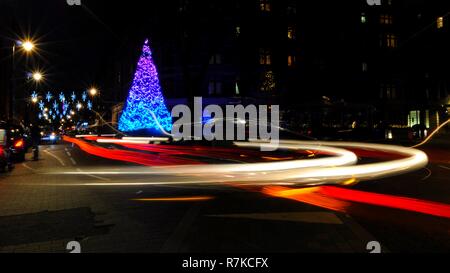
column 19, row 144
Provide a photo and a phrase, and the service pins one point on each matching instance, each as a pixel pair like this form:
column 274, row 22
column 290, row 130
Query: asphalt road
column 41, row 212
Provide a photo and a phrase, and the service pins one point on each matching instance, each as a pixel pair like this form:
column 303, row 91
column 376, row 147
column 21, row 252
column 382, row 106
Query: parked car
column 18, row 142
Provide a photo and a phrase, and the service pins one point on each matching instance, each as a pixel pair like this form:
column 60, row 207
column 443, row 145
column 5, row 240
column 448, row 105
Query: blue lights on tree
column 145, row 107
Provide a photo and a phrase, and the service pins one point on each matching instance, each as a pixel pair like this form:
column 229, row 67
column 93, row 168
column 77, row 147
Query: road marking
column 428, row 175
column 73, row 161
column 93, row 176
column 306, row 217
column 28, row 167
column 56, row 157
column 444, row 167
column 68, row 153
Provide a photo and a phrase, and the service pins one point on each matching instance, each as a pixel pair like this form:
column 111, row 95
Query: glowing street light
column 37, row 76
column 93, row 91
column 28, row 46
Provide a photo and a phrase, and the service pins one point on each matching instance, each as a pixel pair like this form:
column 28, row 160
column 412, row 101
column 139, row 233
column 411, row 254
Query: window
column 386, row 19
column 215, row 87
column 291, row 32
column 388, row 40
column 291, row 60
column 388, row 91
column 215, row 59
column 364, row 67
column 391, row 40
column 264, row 5
column 291, row 9
column 268, row 81
column 265, row 57
column 363, row 18
column 440, row 22
column 2, row 137
column 413, row 118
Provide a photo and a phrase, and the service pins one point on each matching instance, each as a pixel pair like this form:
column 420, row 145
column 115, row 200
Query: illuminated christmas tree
column 145, row 107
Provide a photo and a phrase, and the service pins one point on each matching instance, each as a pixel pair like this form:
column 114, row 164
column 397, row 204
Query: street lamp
column 37, row 76
column 93, row 91
column 28, row 46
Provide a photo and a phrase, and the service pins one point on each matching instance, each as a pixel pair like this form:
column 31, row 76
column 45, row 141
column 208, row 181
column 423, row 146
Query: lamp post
column 28, row 46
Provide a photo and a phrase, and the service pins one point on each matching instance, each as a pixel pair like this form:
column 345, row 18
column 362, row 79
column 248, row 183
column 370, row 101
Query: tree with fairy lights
column 145, row 109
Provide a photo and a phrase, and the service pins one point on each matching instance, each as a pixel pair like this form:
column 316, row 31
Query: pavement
column 42, row 212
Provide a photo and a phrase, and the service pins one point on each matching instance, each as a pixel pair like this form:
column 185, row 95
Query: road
column 42, row 209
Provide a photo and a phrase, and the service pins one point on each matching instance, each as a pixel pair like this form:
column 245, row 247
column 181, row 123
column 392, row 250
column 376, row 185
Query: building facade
column 335, row 64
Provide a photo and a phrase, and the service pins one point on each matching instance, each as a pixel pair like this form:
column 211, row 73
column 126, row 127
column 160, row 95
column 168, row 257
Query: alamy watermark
column 239, row 123
column 374, row 2
column 73, row 2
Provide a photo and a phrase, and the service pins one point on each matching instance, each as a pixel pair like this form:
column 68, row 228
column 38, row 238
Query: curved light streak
column 426, row 140
column 337, row 169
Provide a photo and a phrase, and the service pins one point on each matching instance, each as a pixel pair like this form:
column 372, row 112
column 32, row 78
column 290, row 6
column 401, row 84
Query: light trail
column 426, row 140
column 149, row 139
column 336, row 169
column 338, row 199
column 175, row 199
column 115, row 141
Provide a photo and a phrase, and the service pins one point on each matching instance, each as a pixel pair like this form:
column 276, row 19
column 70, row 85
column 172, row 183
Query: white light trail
column 336, row 169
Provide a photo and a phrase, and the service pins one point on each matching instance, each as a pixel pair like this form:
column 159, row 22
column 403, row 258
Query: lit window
column 440, row 22
column 238, row 31
column 363, row 18
column 291, row 32
column 291, row 60
column 264, row 5
column 389, row 40
column 364, row 67
column 388, row 91
column 386, row 19
column 265, row 57
column 268, row 81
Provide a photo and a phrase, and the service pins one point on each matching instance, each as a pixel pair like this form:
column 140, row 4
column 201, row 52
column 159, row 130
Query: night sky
column 76, row 43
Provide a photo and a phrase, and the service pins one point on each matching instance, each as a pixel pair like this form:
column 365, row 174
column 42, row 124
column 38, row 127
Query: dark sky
column 76, row 43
